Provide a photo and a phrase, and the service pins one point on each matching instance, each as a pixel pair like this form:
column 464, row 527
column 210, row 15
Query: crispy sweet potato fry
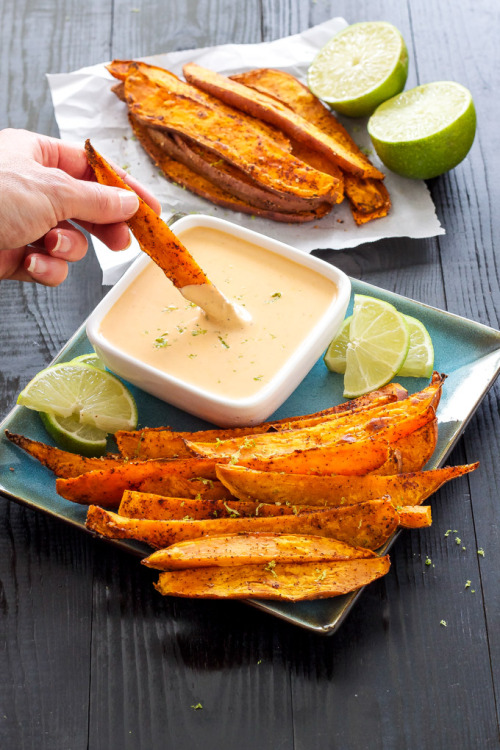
column 252, row 549
column 369, row 197
column 161, row 442
column 391, row 421
column 157, row 507
column 272, row 111
column 153, row 235
column 415, row 516
column 174, row 478
column 205, row 188
column 417, row 448
column 323, row 491
column 165, row 79
column 285, row 581
column 180, row 111
column 62, row 463
column 366, row 525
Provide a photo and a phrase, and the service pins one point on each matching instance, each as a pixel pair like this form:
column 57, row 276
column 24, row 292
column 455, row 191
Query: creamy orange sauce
column 155, row 324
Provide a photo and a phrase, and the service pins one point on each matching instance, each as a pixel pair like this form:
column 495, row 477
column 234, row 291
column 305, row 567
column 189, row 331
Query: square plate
column 468, row 352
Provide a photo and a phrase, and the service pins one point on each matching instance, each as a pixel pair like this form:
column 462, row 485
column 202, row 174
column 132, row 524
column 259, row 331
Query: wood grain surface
column 90, row 655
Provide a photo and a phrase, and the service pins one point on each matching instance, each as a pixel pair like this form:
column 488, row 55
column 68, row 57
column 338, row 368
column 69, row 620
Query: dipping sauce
column 153, row 323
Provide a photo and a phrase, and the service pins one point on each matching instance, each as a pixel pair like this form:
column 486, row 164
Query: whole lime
column 425, row 131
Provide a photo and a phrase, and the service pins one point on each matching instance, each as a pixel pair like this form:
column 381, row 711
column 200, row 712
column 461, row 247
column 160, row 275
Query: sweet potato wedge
column 157, row 507
column 327, row 491
column 153, row 235
column 391, row 421
column 417, row 448
column 291, row 582
column 165, row 79
column 62, row 463
column 366, row 525
column 161, row 442
column 368, row 197
column 272, row 111
column 253, row 549
column 227, row 137
column 182, row 175
column 415, row 516
column 106, row 486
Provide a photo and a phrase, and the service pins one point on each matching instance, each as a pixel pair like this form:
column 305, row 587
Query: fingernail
column 129, row 202
column 37, row 265
column 63, row 244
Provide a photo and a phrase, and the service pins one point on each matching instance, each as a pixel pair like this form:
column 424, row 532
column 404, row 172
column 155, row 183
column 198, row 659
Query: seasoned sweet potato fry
column 174, row 478
column 179, row 110
column 364, row 525
column 272, row 111
column 415, row 516
column 62, row 463
column 161, row 442
column 284, row 581
column 157, row 507
column 252, row 549
column 417, row 448
column 153, row 235
column 324, row 491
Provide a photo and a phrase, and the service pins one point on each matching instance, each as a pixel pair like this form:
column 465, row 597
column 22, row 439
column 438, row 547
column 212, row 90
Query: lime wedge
column 425, row 131
column 71, row 435
column 360, row 68
column 379, row 342
column 90, row 359
column 334, row 357
column 419, row 361
column 95, row 397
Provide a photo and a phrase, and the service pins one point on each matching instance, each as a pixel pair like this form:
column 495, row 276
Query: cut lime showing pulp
column 378, row 345
column 94, row 397
column 359, row 68
column 419, row 361
column 90, row 359
column 71, row 435
column 335, row 354
column 425, row 131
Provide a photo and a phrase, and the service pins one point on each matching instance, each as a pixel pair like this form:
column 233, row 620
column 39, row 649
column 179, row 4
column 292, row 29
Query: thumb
column 94, row 203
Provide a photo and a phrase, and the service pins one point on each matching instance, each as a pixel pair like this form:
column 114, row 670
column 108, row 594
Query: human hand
column 44, row 183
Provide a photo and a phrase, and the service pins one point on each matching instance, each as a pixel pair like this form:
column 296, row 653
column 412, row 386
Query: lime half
column 335, row 354
column 71, row 435
column 359, row 68
column 378, row 345
column 425, row 131
column 419, row 361
column 94, row 397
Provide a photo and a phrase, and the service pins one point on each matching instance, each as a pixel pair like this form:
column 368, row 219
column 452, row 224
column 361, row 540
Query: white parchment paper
column 85, row 107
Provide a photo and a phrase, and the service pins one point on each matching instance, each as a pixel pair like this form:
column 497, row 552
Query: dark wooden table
column 91, row 656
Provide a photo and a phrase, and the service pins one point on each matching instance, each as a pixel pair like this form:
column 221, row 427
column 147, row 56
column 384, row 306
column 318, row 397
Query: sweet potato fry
column 390, row 422
column 327, row 491
column 164, row 79
column 157, row 507
column 252, row 549
column 179, row 110
column 62, row 463
column 272, row 111
column 415, row 516
column 284, row 581
column 153, row 235
column 358, row 457
column 174, row 478
column 366, row 525
column 161, row 442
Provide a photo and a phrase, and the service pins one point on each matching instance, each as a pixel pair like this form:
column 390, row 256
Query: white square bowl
column 220, row 410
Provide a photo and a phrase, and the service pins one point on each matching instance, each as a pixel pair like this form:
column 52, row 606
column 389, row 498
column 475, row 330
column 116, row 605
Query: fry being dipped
column 168, row 252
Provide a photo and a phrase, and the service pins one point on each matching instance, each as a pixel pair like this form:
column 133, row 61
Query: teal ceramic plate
column 469, row 353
